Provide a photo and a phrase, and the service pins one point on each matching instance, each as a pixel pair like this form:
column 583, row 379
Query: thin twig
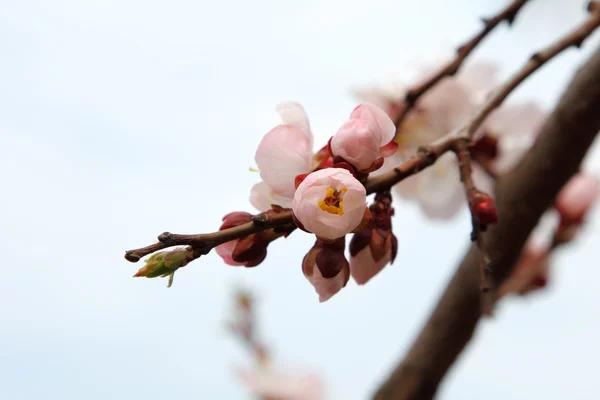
column 574, row 38
column 461, row 149
column 204, row 242
column 449, row 69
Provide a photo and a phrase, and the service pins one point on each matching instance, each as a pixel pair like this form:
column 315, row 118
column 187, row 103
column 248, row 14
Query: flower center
column 333, row 203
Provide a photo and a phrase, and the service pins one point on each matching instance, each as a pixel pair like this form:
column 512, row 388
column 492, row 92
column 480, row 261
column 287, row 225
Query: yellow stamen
column 332, row 203
column 252, row 169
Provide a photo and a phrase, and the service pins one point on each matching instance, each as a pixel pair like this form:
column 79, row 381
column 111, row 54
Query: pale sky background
column 121, row 119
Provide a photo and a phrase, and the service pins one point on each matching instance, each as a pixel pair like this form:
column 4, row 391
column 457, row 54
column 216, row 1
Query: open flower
column 326, row 267
column 269, row 383
column 330, row 203
column 360, row 139
column 283, row 153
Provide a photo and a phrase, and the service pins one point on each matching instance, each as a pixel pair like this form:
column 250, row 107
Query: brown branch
column 523, row 196
column 461, row 149
column 203, row 243
column 449, row 69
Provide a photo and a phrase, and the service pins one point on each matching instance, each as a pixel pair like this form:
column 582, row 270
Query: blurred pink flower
column 437, row 189
column 271, row 384
column 330, row 203
column 577, row 198
column 509, row 132
column 445, row 107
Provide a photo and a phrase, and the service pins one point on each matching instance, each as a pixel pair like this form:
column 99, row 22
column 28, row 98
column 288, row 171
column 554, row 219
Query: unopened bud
column 165, row 263
column 483, row 208
column 326, row 267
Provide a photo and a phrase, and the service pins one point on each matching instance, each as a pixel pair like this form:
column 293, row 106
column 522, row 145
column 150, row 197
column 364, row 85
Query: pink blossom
column 439, row 111
column 285, row 151
column 271, row 384
column 359, row 139
column 577, row 197
column 330, row 203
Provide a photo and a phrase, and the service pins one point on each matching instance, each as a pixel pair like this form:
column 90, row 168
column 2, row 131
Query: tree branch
column 426, row 156
column 449, row 69
column 523, row 196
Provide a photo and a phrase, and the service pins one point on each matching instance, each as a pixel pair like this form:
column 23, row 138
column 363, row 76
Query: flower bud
column 375, row 246
column 326, row 268
column 251, row 250
column 330, row 203
column 360, row 139
column 483, row 208
column 165, row 263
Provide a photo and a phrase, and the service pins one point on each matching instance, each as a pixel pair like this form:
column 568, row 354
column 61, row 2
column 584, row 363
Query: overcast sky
column 121, row 119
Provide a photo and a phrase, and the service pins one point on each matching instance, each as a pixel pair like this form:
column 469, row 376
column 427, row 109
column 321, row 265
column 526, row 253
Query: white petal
column 293, row 113
column 518, row 119
column 439, row 189
column 283, row 153
column 269, row 383
column 479, row 79
column 262, row 196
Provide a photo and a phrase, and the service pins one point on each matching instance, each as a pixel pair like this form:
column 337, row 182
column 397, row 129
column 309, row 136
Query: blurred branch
column 449, row 69
column 523, row 196
column 575, row 38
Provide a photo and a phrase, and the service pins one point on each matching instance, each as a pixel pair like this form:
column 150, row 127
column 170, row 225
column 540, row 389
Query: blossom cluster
column 325, row 191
